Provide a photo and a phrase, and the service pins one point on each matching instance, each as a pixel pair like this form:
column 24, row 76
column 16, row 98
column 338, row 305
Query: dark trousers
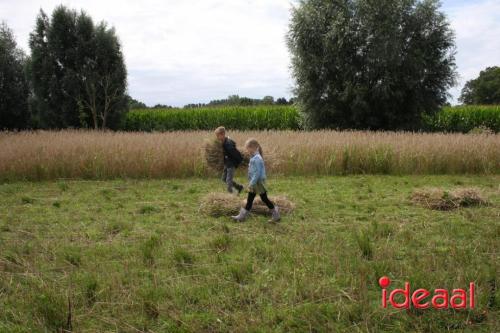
column 263, row 196
column 227, row 177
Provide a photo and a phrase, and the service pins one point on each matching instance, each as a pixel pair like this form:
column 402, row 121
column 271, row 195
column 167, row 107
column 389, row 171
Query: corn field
column 240, row 117
column 466, row 118
column 265, row 117
column 44, row 155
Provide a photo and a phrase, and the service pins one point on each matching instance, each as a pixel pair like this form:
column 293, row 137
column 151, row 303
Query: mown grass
column 136, row 255
column 103, row 155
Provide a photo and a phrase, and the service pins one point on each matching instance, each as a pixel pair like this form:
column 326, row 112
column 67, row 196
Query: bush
column 465, row 119
column 237, row 117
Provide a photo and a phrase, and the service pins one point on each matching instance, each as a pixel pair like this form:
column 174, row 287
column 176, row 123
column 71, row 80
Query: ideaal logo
column 440, row 299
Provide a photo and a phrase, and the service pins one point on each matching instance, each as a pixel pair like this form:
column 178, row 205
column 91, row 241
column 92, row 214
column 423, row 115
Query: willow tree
column 370, row 64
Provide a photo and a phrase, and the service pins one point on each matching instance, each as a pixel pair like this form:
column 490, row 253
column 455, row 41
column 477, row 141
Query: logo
column 423, row 298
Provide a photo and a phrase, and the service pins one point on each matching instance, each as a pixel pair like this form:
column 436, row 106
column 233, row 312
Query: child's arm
column 232, row 151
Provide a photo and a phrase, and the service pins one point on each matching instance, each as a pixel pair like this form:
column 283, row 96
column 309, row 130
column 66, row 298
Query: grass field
column 135, row 255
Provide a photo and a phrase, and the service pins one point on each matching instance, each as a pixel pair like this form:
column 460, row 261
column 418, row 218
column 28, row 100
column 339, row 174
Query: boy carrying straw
column 232, row 159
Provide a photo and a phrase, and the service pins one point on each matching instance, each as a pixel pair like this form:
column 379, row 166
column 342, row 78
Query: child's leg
column 250, row 198
column 229, row 179
column 224, row 175
column 237, row 186
column 266, row 200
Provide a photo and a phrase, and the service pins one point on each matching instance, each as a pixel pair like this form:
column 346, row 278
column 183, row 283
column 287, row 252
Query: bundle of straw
column 225, row 204
column 439, row 199
column 214, row 154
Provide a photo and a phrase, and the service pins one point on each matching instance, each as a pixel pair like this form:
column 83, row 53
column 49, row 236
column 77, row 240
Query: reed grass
column 43, row 155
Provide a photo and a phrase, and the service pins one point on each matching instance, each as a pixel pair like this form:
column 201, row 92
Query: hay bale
column 220, row 204
column 469, row 197
column 225, row 204
column 214, row 154
column 439, row 199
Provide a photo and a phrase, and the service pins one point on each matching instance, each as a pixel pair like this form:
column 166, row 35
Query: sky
column 193, row 51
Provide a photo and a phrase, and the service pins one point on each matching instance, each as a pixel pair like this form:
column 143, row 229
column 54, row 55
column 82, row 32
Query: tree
column 370, row 64
column 77, row 70
column 135, row 104
column 14, row 88
column 281, row 101
column 485, row 89
column 162, row 106
column 268, row 100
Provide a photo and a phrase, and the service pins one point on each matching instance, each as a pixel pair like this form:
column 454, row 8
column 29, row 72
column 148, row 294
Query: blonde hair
column 220, row 130
column 254, row 144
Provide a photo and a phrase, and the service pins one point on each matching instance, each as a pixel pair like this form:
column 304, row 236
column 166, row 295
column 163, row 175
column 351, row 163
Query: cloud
column 180, row 52
column 477, row 28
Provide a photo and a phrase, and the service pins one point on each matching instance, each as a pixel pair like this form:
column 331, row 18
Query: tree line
column 357, row 64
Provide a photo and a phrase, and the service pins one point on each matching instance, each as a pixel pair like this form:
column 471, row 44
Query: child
column 232, row 158
column 257, row 178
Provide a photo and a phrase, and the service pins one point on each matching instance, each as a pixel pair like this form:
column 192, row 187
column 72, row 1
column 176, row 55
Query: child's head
column 253, row 146
column 220, row 133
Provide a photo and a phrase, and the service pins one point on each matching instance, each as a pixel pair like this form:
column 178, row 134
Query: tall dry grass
column 102, row 155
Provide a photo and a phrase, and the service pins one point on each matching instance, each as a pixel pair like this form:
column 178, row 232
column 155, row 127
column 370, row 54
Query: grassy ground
column 134, row 256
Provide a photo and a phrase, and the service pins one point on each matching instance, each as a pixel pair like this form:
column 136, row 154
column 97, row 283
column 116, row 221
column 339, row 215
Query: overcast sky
column 185, row 51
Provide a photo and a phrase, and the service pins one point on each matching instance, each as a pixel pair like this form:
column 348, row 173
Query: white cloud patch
column 477, row 28
column 179, row 52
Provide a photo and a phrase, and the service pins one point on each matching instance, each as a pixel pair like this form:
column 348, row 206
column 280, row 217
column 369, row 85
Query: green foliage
column 238, row 117
column 77, row 71
column 14, row 87
column 183, row 258
column 465, row 119
column 370, row 64
column 135, row 104
column 49, row 305
column 483, row 90
column 364, row 242
column 236, row 100
column 150, row 250
column 241, row 273
column 149, row 209
column 221, row 243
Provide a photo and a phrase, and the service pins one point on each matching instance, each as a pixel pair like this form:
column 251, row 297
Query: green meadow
column 137, row 256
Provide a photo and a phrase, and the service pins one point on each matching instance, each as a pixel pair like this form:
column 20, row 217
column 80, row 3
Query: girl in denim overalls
column 256, row 178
